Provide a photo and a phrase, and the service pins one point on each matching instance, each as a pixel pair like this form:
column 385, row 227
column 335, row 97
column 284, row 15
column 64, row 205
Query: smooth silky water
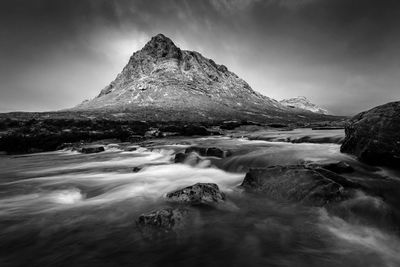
column 64, row 208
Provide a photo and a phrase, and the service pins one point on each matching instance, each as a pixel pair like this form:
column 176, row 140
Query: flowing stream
column 64, row 208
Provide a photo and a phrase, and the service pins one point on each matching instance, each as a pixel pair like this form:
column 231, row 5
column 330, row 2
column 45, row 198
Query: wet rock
column 180, row 157
column 215, row 152
column 336, row 167
column 171, row 128
column 339, row 167
column 190, row 130
column 277, row 125
column 91, row 149
column 113, row 146
column 188, row 158
column 153, row 132
column 202, row 151
column 209, row 152
column 200, row 193
column 136, row 169
column 230, row 125
column 161, row 222
column 70, row 146
column 294, row 183
column 136, row 138
column 166, row 134
column 343, row 181
column 131, row 148
column 373, row 135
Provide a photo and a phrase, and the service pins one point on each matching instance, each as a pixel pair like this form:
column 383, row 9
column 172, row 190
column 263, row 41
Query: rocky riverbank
column 374, row 135
column 38, row 132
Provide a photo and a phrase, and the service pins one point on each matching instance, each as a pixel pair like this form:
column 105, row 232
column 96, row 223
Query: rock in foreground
column 373, row 136
column 294, row 183
column 338, row 167
column 200, row 193
column 162, row 222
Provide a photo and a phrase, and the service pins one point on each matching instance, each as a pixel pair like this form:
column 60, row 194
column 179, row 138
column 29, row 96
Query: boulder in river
column 91, row 149
column 209, row 151
column 188, row 158
column 190, row 130
column 69, row 146
column 137, row 169
column 162, row 222
column 373, row 136
column 200, row 193
column 180, row 157
column 215, row 152
column 202, row 151
column 294, row 183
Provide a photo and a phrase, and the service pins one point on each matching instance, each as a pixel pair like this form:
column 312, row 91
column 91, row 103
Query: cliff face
column 303, row 103
column 162, row 80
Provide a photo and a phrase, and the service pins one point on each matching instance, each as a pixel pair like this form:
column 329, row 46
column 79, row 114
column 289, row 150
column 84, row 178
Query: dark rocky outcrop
column 373, row 136
column 64, row 130
column 70, row 130
column 162, row 222
column 295, row 183
column 91, row 149
column 200, row 193
column 162, row 47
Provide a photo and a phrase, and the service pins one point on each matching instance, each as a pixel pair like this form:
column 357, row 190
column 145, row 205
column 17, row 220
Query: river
column 64, row 208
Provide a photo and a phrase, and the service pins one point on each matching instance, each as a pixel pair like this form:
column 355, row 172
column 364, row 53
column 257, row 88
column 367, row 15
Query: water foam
column 363, row 238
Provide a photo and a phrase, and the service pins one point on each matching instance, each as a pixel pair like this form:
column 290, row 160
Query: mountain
column 162, row 82
column 303, row 103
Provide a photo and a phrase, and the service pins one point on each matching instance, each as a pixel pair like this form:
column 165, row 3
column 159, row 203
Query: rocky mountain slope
column 303, row 103
column 163, row 82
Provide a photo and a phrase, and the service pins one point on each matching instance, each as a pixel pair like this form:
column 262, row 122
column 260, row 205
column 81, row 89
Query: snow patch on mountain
column 302, row 102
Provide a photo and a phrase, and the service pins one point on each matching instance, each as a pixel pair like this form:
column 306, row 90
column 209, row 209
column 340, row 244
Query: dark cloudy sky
column 342, row 54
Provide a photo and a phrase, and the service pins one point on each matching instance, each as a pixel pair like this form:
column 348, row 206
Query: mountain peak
column 163, row 82
column 161, row 46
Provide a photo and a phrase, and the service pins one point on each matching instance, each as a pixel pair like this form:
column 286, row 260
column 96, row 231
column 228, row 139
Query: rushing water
column 64, row 208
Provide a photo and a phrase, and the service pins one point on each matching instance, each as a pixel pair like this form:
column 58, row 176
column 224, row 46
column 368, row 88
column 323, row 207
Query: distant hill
column 303, row 103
